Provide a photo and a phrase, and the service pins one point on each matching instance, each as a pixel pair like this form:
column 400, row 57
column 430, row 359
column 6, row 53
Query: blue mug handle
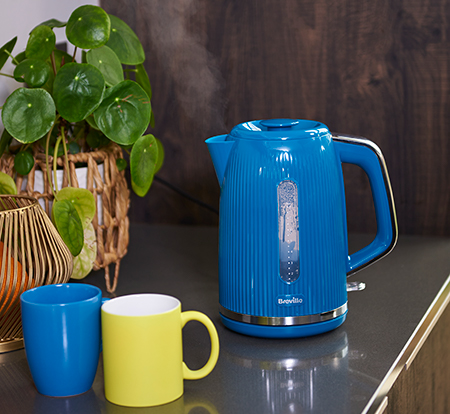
column 367, row 155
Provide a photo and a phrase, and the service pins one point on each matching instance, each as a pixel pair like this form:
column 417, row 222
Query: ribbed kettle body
column 251, row 213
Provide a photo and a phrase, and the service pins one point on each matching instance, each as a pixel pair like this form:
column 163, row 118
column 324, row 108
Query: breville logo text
column 290, row 300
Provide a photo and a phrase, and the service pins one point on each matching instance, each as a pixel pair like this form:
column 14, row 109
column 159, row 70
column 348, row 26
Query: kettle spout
column 220, row 150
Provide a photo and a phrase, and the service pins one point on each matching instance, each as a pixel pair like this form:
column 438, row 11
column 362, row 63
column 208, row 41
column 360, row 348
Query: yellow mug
column 179, row 406
column 143, row 351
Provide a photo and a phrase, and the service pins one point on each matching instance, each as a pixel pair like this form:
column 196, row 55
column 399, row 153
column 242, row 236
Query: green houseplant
column 69, row 107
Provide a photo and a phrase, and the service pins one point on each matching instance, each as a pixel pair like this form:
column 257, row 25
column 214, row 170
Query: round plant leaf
column 5, row 50
column 48, row 86
column 61, row 58
column 107, row 62
column 88, row 27
column 41, row 42
column 83, row 201
column 53, row 23
column 140, row 191
column 19, row 57
column 28, row 114
column 95, row 139
column 23, row 162
column 143, row 80
column 160, row 160
column 91, row 121
column 7, row 184
column 84, row 262
column 125, row 43
column 143, row 158
column 121, row 164
column 77, row 90
column 5, row 140
column 34, row 72
column 69, row 225
column 74, row 148
column 124, row 113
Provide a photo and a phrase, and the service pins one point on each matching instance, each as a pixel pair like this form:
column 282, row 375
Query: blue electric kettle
column 283, row 252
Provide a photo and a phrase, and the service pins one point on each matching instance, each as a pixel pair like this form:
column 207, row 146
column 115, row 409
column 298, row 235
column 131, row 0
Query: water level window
column 288, row 231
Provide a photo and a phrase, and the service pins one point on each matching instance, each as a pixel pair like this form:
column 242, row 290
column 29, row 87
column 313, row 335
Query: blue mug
column 62, row 337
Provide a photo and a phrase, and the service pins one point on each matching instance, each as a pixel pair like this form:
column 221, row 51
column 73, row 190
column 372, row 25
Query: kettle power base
column 293, row 331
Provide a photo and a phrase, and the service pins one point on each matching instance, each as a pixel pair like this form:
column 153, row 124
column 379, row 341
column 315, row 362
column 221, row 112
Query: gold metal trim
column 412, row 347
column 11, row 345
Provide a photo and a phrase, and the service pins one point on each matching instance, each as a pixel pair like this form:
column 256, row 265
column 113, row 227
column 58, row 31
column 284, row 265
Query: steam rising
column 193, row 70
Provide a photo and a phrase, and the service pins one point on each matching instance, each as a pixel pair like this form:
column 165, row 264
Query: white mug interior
column 145, row 304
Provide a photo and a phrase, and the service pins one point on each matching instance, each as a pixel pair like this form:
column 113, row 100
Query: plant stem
column 52, row 58
column 130, row 70
column 12, row 57
column 8, row 76
column 74, row 54
column 47, row 146
column 55, row 162
column 66, row 156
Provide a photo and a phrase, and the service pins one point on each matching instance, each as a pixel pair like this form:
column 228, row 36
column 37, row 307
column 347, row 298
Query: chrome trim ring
column 288, row 364
column 283, row 321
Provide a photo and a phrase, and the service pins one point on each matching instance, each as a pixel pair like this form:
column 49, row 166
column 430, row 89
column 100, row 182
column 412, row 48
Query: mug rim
column 31, row 292
column 115, row 303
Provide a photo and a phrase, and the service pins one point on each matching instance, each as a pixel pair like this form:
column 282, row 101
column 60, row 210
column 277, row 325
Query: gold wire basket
column 32, row 254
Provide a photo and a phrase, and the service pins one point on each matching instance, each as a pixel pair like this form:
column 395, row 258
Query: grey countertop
column 343, row 371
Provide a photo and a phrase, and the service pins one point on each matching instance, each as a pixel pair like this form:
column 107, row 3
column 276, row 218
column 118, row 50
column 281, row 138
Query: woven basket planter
column 110, row 186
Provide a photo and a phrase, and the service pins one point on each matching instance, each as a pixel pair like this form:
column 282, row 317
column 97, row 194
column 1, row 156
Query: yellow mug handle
column 208, row 367
column 205, row 405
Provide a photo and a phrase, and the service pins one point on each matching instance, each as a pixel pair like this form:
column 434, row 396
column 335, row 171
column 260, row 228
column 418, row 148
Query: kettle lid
column 278, row 129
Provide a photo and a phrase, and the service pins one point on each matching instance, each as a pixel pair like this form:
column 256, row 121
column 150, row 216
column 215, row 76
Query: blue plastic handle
column 367, row 155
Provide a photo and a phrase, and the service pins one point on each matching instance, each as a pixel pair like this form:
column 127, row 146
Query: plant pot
column 110, row 190
column 82, row 178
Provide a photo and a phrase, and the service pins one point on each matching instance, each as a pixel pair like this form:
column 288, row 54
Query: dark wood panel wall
column 379, row 69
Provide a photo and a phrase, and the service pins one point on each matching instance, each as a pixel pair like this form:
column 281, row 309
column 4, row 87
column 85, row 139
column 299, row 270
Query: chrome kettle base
column 330, row 320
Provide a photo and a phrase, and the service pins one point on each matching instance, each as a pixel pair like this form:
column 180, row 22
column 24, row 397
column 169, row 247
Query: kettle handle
column 367, row 155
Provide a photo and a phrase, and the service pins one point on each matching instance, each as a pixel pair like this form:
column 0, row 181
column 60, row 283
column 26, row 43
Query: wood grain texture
column 425, row 386
column 379, row 69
